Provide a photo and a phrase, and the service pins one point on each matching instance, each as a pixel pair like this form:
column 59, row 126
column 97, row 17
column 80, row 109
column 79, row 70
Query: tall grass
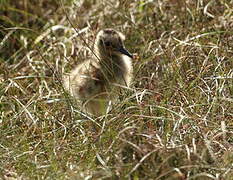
column 176, row 122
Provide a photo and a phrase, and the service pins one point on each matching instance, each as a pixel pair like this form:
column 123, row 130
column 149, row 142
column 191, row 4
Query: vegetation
column 175, row 123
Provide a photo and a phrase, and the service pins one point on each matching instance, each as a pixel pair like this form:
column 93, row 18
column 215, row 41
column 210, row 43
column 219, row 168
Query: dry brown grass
column 175, row 123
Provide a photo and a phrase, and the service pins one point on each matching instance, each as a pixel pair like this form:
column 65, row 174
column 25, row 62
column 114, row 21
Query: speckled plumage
column 94, row 82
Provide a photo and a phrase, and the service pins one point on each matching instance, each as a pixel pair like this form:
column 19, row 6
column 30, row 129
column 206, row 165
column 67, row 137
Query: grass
column 174, row 123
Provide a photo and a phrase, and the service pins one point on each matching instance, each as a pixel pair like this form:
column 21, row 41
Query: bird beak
column 125, row 52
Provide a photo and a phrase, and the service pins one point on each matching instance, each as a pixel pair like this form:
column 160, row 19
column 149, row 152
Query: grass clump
column 174, row 123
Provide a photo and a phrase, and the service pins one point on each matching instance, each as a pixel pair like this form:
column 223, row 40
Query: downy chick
column 96, row 81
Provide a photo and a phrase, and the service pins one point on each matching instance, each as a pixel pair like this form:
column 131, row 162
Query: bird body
column 95, row 81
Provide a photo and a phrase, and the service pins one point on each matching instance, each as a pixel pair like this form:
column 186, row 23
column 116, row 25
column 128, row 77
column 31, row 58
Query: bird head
column 110, row 42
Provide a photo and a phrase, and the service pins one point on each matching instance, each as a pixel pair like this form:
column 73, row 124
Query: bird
column 96, row 81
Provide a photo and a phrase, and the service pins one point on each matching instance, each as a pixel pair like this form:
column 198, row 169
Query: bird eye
column 120, row 41
column 107, row 43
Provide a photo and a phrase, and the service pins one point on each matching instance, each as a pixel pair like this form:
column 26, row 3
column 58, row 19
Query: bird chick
column 95, row 81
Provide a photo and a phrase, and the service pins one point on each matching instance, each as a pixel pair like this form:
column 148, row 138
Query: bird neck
column 112, row 67
column 111, row 62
